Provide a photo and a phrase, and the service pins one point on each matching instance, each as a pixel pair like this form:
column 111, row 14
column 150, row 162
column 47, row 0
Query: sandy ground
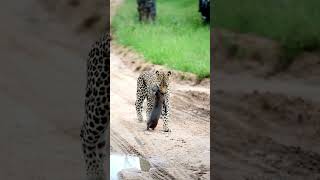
column 265, row 127
column 42, row 80
column 265, row 135
column 182, row 154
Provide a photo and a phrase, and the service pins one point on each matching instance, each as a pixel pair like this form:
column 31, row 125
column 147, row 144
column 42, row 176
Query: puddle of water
column 119, row 162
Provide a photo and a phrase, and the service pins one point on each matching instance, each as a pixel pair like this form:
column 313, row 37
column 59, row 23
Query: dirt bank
column 237, row 53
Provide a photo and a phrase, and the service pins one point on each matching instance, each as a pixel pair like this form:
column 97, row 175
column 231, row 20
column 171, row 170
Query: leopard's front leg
column 166, row 113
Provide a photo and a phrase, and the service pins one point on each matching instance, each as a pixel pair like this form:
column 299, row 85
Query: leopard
column 147, row 10
column 146, row 82
column 97, row 109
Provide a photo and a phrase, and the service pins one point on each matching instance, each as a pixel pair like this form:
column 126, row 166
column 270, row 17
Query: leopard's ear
column 169, row 73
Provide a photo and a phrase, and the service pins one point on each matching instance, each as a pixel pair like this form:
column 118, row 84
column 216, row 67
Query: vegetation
column 177, row 39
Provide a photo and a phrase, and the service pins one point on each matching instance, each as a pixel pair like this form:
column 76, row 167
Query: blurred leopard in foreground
column 97, row 107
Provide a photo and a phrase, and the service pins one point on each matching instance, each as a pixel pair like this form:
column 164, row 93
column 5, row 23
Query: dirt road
column 265, row 128
column 265, row 134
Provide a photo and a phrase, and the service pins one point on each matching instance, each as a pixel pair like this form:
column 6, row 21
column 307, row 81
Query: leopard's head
column 163, row 79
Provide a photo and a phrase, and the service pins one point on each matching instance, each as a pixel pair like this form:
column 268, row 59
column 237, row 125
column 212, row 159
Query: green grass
column 293, row 23
column 178, row 39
